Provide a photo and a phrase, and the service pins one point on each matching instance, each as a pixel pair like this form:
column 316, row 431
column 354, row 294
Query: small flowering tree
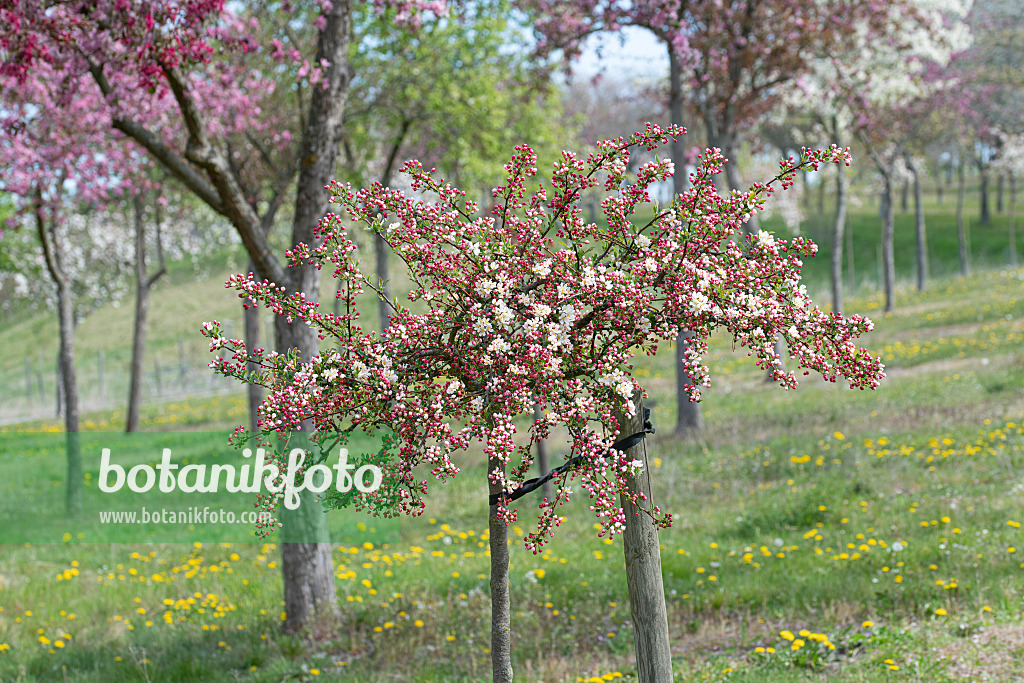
column 529, row 303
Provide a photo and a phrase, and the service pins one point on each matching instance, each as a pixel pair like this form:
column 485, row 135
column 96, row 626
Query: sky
column 641, row 55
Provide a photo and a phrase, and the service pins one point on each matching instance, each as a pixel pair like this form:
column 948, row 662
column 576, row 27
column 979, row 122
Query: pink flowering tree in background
column 256, row 97
column 56, row 158
column 528, row 303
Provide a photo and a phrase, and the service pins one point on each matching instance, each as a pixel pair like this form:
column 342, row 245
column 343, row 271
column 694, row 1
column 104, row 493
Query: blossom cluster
column 528, row 303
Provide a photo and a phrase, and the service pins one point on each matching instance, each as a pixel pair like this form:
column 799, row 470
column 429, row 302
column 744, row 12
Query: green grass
column 820, row 509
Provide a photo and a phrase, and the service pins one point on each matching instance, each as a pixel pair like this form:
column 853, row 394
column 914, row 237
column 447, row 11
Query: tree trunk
column 838, row 227
column 383, row 307
column 642, row 552
column 688, row 414
column 1012, row 228
column 542, row 455
column 53, row 256
column 919, row 227
column 732, row 173
column 143, row 285
column 251, row 321
column 938, row 184
column 984, row 217
column 821, row 197
column 501, row 603
column 904, row 196
column 888, row 257
column 1000, row 180
column 307, row 567
column 961, row 232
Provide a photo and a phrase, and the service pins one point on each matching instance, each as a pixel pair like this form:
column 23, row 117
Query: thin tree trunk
column 961, row 232
column 143, row 284
column 938, row 184
column 58, row 386
column 919, row 227
column 53, row 256
column 984, row 216
column 1012, row 228
column 381, row 247
column 838, row 227
column 28, row 379
column 888, row 256
column 542, row 455
column 642, row 551
column 688, row 415
column 689, row 419
column 1000, row 180
column 904, row 196
column 821, row 197
column 383, row 307
column 251, row 322
column 501, row 604
column 851, row 274
column 732, row 173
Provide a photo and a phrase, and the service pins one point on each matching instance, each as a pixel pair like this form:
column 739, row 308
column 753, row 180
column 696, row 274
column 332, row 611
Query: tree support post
column 642, row 552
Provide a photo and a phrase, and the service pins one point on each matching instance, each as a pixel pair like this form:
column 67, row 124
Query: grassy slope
column 819, row 509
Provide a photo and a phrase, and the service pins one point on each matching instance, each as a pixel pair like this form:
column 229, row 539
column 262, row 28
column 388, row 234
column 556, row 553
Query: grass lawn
column 819, row 534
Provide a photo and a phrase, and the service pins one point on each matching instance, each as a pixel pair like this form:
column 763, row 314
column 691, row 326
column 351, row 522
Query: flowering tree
column 54, row 155
column 529, row 303
column 226, row 138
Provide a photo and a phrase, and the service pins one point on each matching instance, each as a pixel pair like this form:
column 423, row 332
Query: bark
column 919, row 227
column 904, row 196
column 838, row 228
column 53, row 257
column 501, row 604
column 961, row 232
column 143, row 284
column 542, row 455
column 688, row 415
column 642, row 551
